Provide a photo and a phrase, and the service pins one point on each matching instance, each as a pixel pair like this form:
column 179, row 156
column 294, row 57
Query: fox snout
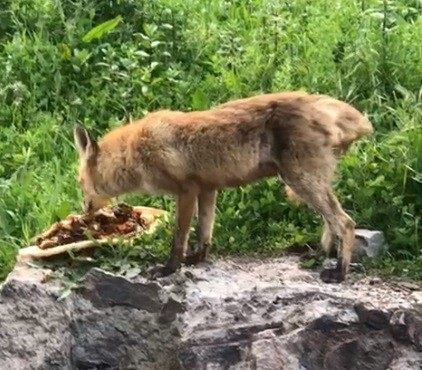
column 88, row 206
column 91, row 205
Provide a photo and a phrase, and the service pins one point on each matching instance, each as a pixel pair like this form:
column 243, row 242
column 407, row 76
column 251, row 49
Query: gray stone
column 417, row 297
column 170, row 310
column 368, row 243
column 107, row 290
column 374, row 318
column 407, row 327
column 242, row 314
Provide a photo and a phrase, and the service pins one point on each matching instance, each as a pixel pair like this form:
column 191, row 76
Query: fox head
column 89, row 150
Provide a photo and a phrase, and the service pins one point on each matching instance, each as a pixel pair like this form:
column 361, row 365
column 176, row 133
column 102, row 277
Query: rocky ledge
column 234, row 314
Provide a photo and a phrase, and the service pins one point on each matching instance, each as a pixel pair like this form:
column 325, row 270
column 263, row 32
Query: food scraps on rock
column 107, row 222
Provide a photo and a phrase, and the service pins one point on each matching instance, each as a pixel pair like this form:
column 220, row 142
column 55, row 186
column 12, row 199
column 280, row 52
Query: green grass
column 193, row 54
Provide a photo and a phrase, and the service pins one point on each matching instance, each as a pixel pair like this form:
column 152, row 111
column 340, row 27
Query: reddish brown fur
column 191, row 155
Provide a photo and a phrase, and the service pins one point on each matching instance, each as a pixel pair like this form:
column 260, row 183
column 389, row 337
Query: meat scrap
column 119, row 220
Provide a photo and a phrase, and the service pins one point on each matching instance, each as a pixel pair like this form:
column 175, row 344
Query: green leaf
column 142, row 54
column 99, row 31
column 153, row 65
column 64, row 51
column 377, row 15
column 307, row 264
column 199, row 100
column 82, row 55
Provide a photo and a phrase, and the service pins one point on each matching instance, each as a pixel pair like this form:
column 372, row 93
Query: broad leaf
column 103, row 28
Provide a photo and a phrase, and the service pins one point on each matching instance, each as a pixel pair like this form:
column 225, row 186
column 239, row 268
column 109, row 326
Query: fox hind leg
column 337, row 224
column 309, row 177
column 328, row 239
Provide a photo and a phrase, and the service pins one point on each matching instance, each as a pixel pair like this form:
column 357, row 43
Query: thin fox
column 191, row 155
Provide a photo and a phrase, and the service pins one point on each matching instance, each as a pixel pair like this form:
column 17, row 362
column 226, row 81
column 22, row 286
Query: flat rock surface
column 233, row 314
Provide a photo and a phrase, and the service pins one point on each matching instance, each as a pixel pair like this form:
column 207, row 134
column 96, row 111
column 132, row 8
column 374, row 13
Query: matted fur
column 191, row 155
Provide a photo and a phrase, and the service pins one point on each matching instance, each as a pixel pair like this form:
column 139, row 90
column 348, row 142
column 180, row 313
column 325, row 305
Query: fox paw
column 195, row 257
column 332, row 275
column 197, row 254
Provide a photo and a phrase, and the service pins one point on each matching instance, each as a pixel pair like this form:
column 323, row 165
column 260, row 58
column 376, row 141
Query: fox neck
column 113, row 176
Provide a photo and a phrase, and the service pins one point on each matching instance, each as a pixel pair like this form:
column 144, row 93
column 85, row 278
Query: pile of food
column 106, row 223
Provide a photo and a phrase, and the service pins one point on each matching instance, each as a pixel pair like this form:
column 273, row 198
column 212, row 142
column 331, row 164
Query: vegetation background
column 61, row 64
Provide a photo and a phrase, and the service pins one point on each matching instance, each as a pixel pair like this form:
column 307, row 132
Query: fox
column 296, row 136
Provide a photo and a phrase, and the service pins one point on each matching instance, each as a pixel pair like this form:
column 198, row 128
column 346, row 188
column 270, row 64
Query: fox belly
column 221, row 178
column 232, row 162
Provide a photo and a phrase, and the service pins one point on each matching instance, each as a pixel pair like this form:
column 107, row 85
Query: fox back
column 230, row 145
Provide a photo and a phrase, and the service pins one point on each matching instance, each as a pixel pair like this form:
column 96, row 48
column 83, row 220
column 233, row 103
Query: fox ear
column 86, row 145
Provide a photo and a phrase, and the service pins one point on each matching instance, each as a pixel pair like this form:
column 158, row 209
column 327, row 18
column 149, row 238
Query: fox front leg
column 206, row 215
column 185, row 206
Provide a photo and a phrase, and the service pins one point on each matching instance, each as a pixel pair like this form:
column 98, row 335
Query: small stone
column 375, row 280
column 373, row 318
column 417, row 298
column 277, row 299
column 189, row 275
column 406, row 327
column 409, row 285
column 93, row 358
column 170, row 309
column 368, row 243
column 357, row 267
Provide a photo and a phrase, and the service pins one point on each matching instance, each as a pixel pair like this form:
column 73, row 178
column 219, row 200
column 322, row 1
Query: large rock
column 231, row 315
